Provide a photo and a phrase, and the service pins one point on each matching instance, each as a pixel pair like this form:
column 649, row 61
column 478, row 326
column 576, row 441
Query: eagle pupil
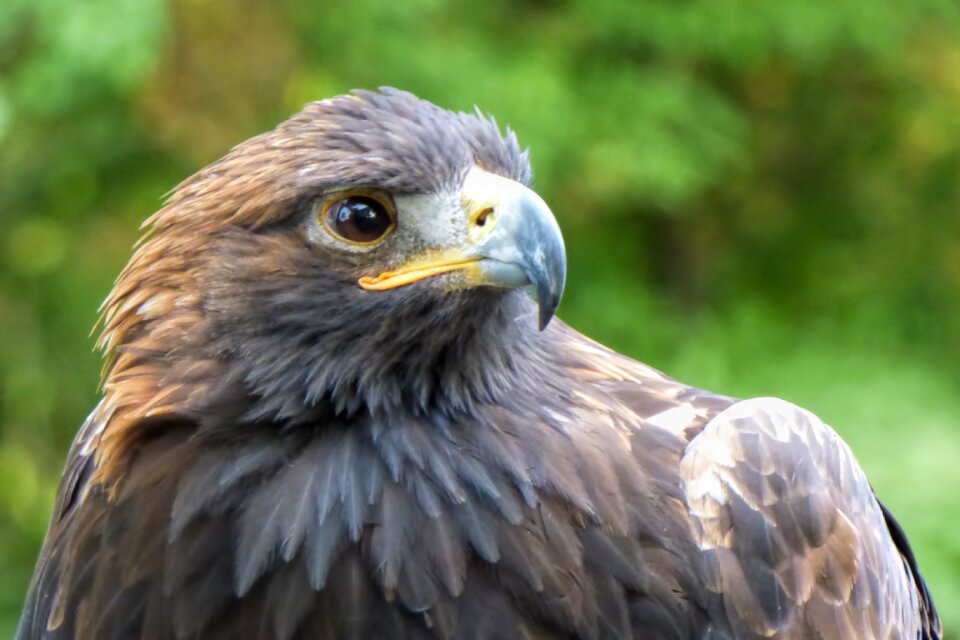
column 360, row 219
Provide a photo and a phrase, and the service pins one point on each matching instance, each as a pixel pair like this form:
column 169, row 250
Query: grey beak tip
column 545, row 318
column 547, row 302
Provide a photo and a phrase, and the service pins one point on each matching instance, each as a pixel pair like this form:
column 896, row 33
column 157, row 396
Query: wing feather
column 796, row 539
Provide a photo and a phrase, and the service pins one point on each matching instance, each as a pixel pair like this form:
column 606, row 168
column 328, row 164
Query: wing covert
column 797, row 542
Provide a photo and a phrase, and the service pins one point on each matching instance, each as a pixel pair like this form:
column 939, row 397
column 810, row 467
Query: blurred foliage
column 760, row 197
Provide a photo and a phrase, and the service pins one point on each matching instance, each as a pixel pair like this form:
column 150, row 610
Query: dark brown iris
column 359, row 219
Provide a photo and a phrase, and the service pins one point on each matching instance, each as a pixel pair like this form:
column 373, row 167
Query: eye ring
column 363, row 218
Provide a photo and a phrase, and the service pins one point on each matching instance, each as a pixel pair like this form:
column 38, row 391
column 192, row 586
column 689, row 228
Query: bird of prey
column 333, row 409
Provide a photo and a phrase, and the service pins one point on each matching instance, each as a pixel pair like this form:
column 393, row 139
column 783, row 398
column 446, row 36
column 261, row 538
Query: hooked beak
column 512, row 241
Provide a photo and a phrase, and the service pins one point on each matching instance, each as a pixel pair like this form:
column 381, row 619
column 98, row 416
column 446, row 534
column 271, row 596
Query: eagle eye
column 359, row 219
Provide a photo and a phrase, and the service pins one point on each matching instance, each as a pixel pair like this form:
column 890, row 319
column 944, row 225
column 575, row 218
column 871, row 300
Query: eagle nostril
column 481, row 219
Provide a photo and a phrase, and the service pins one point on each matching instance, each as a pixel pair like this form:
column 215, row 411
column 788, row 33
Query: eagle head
column 366, row 254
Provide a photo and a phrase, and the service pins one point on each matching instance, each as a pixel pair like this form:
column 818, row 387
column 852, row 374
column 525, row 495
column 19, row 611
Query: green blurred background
column 760, row 198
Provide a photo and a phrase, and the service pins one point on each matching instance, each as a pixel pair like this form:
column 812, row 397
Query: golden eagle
column 331, row 411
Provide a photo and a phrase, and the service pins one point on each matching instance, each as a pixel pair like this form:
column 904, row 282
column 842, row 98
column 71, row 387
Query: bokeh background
column 759, row 197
